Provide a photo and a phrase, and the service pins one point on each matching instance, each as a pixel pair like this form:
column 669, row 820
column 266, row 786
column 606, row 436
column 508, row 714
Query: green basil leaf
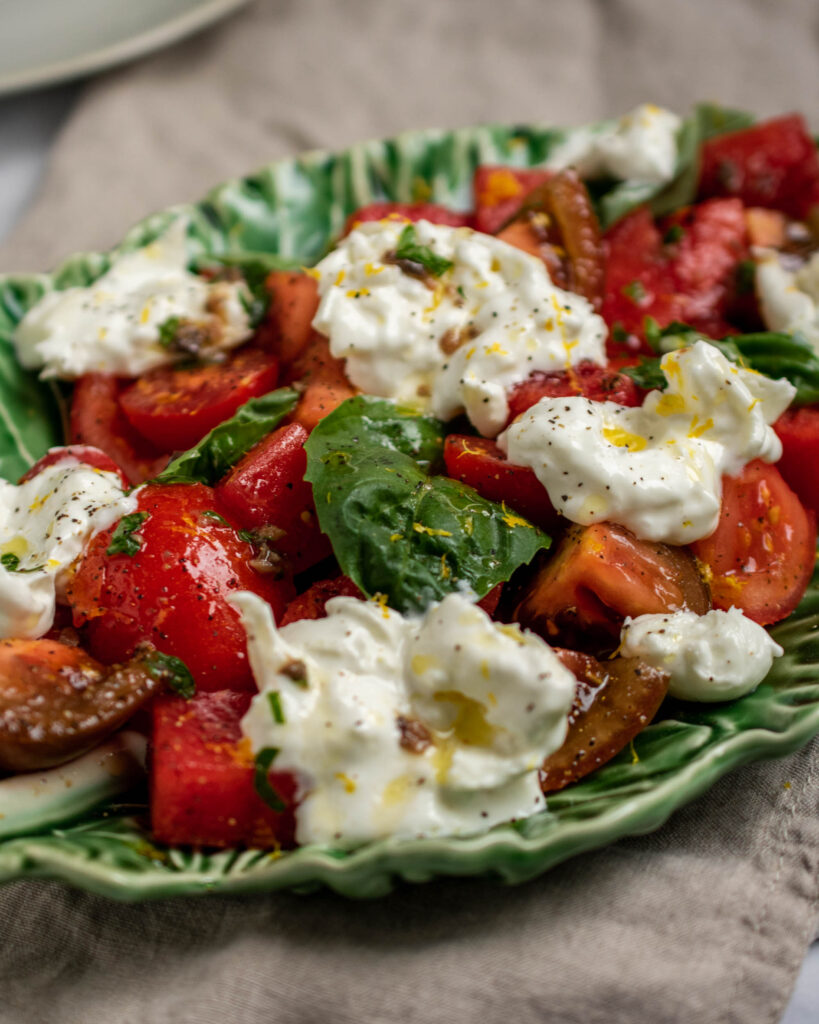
column 408, row 249
column 790, row 356
column 771, row 353
column 714, row 120
column 124, row 539
column 617, row 198
column 261, row 778
column 172, row 671
column 167, row 331
column 209, row 460
column 211, row 514
column 276, row 709
column 11, row 563
column 395, row 528
column 647, row 374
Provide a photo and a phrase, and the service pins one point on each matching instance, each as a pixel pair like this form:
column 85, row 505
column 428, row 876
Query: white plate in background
column 48, row 41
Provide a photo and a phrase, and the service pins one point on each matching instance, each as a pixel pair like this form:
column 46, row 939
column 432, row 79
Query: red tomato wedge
column 479, row 462
column 798, row 430
column 313, row 602
column 760, row 557
column 202, row 777
column 176, row 407
column 407, row 211
column 682, row 269
column 587, row 379
column 773, row 164
column 173, row 590
column 703, row 262
column 97, row 420
column 600, row 574
column 85, row 454
column 267, row 489
column 638, row 280
column 499, row 193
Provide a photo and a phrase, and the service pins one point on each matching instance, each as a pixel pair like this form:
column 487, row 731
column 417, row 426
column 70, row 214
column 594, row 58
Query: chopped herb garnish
column 635, row 291
column 410, row 251
column 123, row 539
column 674, row 234
column 248, row 536
column 276, row 710
column 261, row 778
column 168, row 330
column 12, row 564
column 209, row 512
column 618, row 332
column 172, row 671
column 745, row 277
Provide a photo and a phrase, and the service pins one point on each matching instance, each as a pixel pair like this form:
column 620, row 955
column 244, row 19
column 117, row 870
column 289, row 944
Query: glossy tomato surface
column 175, row 407
column 97, row 420
column 174, row 589
column 85, row 454
column 481, row 464
column 760, row 557
column 798, row 430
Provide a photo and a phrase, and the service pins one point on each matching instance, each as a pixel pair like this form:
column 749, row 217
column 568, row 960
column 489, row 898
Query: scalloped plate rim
column 370, row 871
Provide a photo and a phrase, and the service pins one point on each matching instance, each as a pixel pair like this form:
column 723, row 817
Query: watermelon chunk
column 202, row 777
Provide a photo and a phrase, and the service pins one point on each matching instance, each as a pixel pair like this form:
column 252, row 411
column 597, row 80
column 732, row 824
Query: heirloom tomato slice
column 175, row 407
column 760, row 557
column 173, row 588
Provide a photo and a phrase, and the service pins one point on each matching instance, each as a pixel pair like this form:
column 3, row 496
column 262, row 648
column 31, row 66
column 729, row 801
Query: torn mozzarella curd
column 641, row 147
column 453, row 343
column 717, row 656
column 45, row 523
column 789, row 299
column 401, row 726
column 114, row 325
column 656, row 469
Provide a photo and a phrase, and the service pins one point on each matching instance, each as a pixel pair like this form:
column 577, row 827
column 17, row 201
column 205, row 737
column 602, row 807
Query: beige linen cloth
column 706, row 920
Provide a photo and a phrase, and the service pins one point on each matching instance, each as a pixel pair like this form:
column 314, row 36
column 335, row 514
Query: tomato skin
column 760, row 557
column 798, row 430
column 691, row 279
column 86, row 454
column 267, row 488
column 176, row 407
column 202, row 777
column 714, row 240
column 598, row 383
column 312, row 604
column 638, row 281
column 481, row 464
column 96, row 419
column 432, row 212
column 174, row 590
column 325, row 384
column 600, row 574
column 287, row 329
column 774, row 164
column 499, row 193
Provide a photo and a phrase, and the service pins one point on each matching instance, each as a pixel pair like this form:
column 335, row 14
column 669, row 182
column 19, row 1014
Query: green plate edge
column 294, row 208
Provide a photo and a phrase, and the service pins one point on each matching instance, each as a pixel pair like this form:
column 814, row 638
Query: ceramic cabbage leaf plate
column 68, row 826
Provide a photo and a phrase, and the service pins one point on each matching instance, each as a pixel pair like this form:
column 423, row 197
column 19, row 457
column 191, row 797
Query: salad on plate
column 399, row 543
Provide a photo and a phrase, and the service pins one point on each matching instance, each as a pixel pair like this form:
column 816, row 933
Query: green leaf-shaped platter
column 66, row 826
